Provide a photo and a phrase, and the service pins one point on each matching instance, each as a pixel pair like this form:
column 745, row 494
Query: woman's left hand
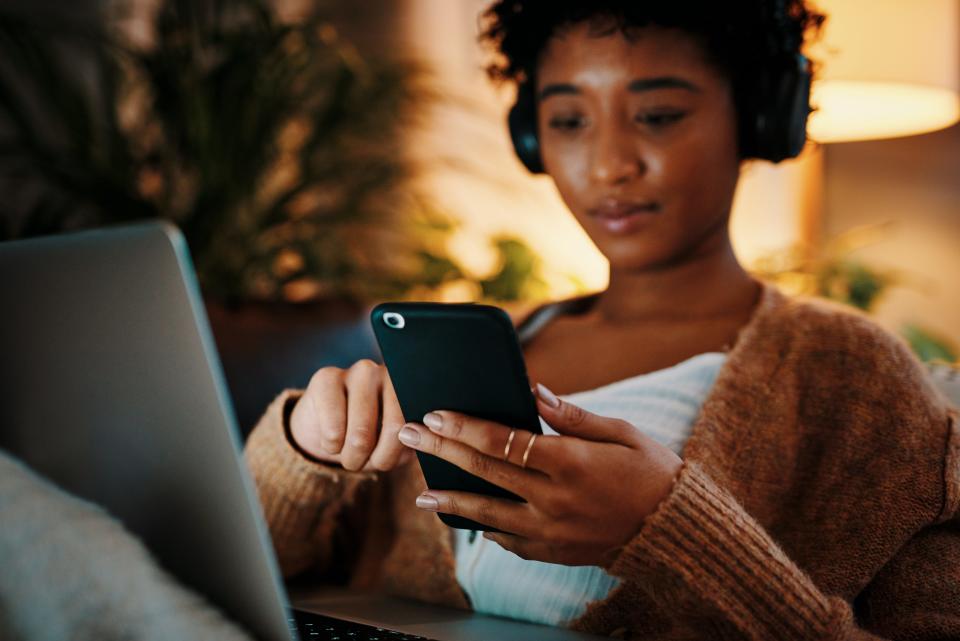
column 587, row 491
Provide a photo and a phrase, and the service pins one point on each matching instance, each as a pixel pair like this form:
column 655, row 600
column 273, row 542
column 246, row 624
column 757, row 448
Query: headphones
column 775, row 132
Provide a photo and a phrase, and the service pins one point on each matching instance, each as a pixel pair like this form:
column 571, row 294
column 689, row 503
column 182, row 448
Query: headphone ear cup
column 797, row 105
column 522, row 122
column 781, row 123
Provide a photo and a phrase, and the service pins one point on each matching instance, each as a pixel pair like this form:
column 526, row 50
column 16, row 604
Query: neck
column 707, row 283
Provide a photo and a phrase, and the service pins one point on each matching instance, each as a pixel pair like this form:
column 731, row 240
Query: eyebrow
column 642, row 84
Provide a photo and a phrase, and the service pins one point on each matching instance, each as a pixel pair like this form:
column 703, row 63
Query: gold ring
column 506, row 449
column 526, row 452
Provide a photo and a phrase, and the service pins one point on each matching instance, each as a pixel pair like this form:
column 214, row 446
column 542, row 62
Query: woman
column 723, row 461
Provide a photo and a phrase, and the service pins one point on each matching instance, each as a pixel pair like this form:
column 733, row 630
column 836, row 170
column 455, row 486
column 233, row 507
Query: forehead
column 584, row 55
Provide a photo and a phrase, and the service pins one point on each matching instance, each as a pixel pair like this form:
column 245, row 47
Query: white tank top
column 664, row 405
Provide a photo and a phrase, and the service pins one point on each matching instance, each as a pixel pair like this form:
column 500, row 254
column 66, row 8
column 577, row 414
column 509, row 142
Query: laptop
column 111, row 387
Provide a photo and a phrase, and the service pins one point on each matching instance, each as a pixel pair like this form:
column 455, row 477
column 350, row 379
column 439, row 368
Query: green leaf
column 927, row 345
column 518, row 277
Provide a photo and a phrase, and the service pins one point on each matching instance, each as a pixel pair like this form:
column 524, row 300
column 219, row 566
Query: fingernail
column 408, row 435
column 548, row 397
column 427, row 502
column 434, row 421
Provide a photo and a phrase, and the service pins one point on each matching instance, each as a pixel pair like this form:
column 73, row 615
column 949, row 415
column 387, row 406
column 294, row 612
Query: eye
column 659, row 119
column 566, row 123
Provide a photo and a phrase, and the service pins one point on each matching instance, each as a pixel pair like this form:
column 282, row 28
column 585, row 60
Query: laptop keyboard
column 316, row 626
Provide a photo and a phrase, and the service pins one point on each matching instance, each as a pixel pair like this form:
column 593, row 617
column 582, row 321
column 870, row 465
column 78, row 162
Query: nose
column 615, row 157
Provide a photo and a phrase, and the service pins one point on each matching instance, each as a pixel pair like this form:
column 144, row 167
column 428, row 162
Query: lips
column 613, row 209
column 621, row 217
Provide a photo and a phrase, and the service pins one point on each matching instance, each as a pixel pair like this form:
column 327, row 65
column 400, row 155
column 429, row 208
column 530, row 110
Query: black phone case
column 462, row 357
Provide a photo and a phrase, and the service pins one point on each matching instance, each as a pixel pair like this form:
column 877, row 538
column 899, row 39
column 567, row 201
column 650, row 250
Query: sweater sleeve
column 303, row 500
column 703, row 556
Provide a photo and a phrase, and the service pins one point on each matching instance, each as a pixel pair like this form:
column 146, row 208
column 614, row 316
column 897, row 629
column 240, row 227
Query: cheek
column 565, row 160
column 702, row 173
column 568, row 165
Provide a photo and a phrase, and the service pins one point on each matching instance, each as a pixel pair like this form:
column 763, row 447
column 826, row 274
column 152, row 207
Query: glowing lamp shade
column 852, row 110
column 890, row 68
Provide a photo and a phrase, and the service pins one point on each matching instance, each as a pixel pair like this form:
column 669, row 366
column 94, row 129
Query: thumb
column 572, row 420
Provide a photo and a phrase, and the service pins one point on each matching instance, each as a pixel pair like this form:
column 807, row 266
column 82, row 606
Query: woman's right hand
column 351, row 417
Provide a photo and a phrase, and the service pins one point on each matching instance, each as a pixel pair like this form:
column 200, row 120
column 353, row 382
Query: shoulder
column 838, row 341
column 808, row 320
column 862, row 398
column 841, row 371
column 843, row 368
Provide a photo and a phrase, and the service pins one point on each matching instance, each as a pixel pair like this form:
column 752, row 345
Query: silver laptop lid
column 111, row 387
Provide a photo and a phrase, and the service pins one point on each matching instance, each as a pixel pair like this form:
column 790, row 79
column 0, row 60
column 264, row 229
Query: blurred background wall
column 914, row 183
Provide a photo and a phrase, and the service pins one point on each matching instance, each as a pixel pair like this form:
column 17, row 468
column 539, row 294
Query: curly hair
column 740, row 39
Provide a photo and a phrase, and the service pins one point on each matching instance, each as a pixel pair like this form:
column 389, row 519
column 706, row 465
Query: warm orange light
column 859, row 110
column 889, row 68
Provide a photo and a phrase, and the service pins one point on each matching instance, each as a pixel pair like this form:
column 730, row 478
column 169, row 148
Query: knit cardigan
column 819, row 498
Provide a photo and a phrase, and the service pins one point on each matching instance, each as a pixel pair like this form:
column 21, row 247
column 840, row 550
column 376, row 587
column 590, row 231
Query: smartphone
column 462, row 357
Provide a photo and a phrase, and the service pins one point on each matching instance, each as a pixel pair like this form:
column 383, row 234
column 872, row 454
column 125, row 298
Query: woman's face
column 640, row 138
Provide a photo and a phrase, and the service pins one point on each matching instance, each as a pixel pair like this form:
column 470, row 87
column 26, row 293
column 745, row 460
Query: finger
column 532, row 549
column 363, row 413
column 386, row 454
column 522, row 482
column 323, row 423
column 406, row 456
column 573, row 420
column 493, row 439
column 502, row 514
column 525, row 548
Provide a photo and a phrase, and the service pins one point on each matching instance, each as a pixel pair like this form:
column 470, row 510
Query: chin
column 636, row 259
column 657, row 246
column 636, row 251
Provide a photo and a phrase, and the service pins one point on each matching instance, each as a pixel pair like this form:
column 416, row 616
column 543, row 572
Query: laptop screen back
column 110, row 386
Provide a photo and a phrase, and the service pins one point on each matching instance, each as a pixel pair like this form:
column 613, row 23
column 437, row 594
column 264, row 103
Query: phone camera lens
column 394, row 320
